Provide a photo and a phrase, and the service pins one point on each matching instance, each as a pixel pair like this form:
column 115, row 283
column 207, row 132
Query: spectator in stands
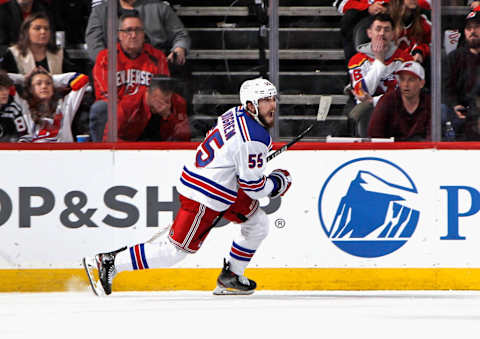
column 161, row 114
column 412, row 28
column 372, row 70
column 12, row 122
column 49, row 104
column 163, row 28
column 12, row 14
column 5, row 85
column 462, row 81
column 353, row 12
column 36, row 47
column 356, row 15
column 405, row 112
column 71, row 17
column 473, row 4
column 137, row 62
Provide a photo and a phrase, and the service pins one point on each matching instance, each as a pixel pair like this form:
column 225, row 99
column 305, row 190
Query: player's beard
column 264, row 122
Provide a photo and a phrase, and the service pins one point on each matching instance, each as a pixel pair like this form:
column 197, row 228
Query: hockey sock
column 161, row 253
column 244, row 245
column 240, row 257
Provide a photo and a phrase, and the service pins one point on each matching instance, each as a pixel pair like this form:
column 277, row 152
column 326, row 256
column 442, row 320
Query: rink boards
column 357, row 217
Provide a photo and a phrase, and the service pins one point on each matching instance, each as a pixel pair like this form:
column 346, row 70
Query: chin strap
column 255, row 116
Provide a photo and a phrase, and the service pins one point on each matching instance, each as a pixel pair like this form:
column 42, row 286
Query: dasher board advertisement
column 415, row 208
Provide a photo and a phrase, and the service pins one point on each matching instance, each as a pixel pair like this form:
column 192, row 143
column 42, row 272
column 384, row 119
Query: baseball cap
column 412, row 67
column 473, row 15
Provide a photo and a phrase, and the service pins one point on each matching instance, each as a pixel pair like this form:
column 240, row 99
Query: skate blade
column 96, row 286
column 221, row 290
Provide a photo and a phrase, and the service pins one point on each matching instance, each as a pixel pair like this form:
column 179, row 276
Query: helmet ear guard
column 254, row 90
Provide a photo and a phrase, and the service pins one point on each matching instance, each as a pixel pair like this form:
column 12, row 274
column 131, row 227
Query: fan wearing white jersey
column 224, row 179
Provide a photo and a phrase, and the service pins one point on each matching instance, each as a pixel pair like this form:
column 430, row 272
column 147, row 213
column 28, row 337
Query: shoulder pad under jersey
column 250, row 129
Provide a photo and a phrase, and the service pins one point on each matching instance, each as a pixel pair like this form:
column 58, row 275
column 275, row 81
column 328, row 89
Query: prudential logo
column 367, row 207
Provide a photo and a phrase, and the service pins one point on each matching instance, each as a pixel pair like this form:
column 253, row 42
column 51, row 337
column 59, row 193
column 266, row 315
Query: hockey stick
column 287, row 146
column 269, row 157
column 323, row 109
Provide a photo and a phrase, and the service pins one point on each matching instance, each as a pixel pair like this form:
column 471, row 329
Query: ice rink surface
column 266, row 314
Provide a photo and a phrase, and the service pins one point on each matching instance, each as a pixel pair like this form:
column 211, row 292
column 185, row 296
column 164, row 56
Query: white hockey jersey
column 369, row 75
column 232, row 156
column 58, row 128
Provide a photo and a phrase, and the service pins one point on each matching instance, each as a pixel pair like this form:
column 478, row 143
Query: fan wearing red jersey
column 137, row 63
column 159, row 115
column 412, row 28
column 372, row 69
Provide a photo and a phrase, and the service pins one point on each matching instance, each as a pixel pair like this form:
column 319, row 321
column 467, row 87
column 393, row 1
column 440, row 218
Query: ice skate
column 105, row 264
column 228, row 283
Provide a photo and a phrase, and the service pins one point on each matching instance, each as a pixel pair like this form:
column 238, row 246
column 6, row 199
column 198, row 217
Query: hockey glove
column 281, row 182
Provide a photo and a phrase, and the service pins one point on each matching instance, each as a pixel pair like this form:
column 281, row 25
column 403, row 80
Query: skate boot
column 105, row 263
column 228, row 283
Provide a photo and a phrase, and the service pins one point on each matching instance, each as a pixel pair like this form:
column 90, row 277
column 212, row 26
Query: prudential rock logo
column 367, row 207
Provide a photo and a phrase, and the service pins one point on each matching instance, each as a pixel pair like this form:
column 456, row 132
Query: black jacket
column 461, row 81
column 10, row 20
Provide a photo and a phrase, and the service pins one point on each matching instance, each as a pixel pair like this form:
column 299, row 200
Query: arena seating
column 225, row 52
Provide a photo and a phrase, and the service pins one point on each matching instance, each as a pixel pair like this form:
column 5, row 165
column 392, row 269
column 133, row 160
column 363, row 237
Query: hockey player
column 225, row 179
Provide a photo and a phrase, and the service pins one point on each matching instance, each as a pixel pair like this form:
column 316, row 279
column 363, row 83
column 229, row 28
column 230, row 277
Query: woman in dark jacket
column 36, row 47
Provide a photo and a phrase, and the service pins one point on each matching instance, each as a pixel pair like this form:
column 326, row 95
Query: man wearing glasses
column 163, row 28
column 137, row 62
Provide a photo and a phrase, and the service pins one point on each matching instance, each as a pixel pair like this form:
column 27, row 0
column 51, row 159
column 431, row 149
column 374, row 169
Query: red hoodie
column 133, row 75
column 134, row 116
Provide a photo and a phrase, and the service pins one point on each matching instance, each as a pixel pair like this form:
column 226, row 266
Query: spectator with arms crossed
column 225, row 178
column 405, row 112
column 137, row 62
column 372, row 70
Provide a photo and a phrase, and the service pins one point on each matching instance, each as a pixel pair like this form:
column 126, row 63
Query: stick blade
column 324, row 107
